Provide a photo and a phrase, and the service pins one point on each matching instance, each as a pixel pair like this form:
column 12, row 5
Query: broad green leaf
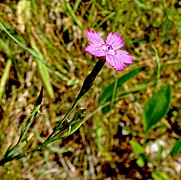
column 156, row 107
column 137, row 148
column 177, row 148
column 159, row 175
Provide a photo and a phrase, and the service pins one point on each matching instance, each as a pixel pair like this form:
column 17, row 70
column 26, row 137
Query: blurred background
column 104, row 146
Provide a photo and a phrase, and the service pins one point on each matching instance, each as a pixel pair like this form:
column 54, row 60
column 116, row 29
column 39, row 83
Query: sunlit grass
column 100, row 148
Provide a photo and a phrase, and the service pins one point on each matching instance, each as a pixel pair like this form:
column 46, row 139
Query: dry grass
column 100, row 148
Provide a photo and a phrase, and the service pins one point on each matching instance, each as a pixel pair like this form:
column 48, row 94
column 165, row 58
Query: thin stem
column 87, row 84
column 7, row 158
column 157, row 66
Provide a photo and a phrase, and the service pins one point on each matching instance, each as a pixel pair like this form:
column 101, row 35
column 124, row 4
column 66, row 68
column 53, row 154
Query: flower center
column 108, row 49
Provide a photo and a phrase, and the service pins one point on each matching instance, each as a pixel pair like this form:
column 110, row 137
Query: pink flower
column 115, row 57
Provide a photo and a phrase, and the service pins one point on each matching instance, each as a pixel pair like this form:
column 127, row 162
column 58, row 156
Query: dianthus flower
column 114, row 57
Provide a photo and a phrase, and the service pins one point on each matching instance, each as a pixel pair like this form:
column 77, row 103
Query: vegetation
column 122, row 125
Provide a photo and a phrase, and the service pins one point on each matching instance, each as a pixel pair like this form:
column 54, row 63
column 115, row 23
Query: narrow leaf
column 76, row 122
column 111, row 92
column 107, row 93
column 177, row 148
column 43, row 71
column 156, row 107
column 40, row 97
column 36, row 55
column 34, row 113
column 70, row 11
column 159, row 175
column 137, row 148
column 157, row 73
column 5, row 77
column 141, row 161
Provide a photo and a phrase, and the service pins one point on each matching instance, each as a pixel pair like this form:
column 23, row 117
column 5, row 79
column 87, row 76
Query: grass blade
column 43, row 71
column 107, row 93
column 157, row 66
column 4, row 77
column 34, row 54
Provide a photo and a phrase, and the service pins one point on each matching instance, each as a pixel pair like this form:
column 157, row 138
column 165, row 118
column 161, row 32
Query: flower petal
column 95, row 50
column 115, row 63
column 115, row 40
column 94, row 37
column 124, row 56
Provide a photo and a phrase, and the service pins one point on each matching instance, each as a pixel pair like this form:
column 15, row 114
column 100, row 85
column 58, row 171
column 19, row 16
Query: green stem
column 87, row 84
column 10, row 158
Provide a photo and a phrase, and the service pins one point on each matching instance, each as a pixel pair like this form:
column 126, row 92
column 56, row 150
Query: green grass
column 45, row 47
